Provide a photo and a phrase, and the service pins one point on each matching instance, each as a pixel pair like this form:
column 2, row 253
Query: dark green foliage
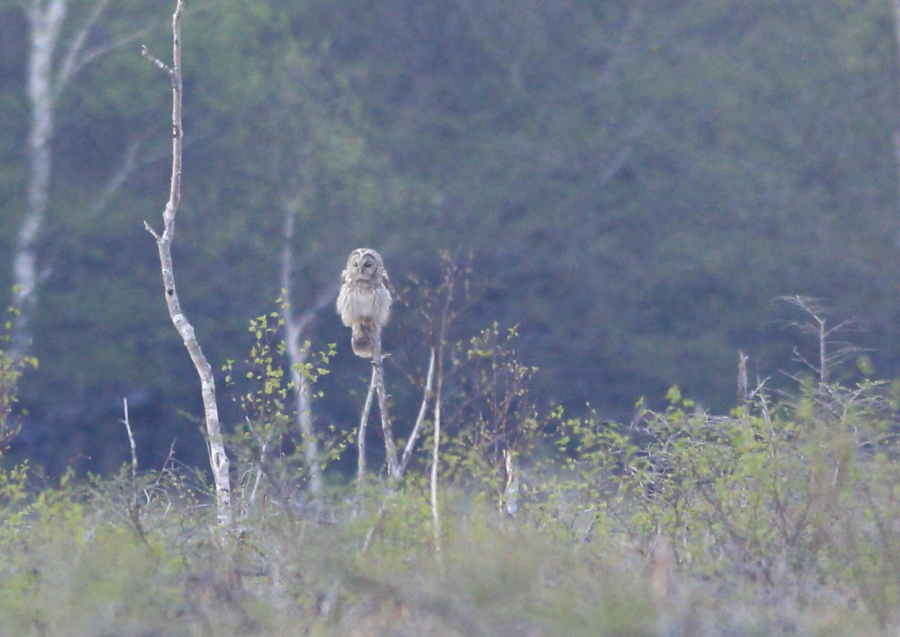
column 636, row 182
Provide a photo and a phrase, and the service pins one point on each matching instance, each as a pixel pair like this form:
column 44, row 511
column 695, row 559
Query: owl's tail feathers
column 361, row 341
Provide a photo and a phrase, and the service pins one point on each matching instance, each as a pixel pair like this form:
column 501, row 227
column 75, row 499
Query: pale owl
column 364, row 302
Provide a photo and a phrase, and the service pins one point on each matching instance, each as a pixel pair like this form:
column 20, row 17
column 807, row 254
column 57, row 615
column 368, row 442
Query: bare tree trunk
column 45, row 21
column 45, row 83
column 390, row 446
column 361, row 432
column 294, row 327
column 215, row 443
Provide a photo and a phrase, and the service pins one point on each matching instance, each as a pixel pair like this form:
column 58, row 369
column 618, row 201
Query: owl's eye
column 367, row 264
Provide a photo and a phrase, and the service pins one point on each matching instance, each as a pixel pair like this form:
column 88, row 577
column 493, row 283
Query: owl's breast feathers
column 363, row 301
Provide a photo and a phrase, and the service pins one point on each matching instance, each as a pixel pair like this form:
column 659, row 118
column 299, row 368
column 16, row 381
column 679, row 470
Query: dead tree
column 217, row 458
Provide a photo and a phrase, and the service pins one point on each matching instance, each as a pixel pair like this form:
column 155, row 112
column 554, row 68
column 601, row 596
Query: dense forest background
column 636, row 182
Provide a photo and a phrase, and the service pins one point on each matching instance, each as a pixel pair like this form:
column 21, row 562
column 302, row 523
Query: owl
column 364, row 301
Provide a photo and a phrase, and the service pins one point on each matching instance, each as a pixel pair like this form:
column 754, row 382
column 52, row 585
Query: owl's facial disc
column 365, row 266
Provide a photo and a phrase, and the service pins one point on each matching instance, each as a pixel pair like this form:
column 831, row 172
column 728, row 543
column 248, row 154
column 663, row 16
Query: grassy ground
column 81, row 562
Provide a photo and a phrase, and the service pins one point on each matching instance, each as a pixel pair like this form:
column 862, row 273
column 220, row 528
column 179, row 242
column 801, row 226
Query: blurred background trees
column 636, row 181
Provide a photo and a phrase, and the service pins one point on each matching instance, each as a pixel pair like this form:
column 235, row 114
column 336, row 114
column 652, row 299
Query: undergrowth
column 779, row 518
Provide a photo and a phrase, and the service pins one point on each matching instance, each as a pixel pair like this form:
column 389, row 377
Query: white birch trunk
column 45, row 83
column 45, row 20
column 218, row 459
column 294, row 327
column 303, row 396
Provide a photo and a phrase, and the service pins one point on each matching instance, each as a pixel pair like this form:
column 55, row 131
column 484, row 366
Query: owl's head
column 365, row 264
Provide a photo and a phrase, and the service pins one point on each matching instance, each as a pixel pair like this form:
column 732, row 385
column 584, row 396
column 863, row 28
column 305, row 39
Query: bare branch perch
column 361, row 433
column 376, row 388
column 378, row 379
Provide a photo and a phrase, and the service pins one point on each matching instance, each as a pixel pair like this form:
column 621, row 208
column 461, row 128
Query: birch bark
column 295, row 326
column 218, row 459
column 46, row 81
column 45, row 20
